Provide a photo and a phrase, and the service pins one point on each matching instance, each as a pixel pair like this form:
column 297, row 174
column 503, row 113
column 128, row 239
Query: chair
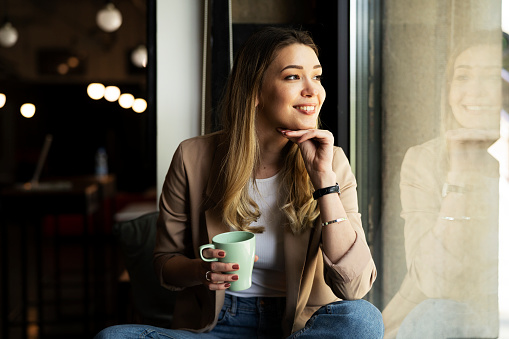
column 153, row 303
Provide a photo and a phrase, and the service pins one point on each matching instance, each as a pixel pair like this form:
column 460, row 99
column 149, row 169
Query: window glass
column 445, row 136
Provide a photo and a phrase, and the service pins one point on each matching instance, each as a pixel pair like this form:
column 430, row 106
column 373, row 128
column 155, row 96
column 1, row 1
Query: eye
column 292, row 77
column 493, row 77
column 318, row 77
column 461, row 77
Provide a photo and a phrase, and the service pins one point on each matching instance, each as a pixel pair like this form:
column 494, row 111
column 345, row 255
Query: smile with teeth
column 480, row 108
column 306, row 108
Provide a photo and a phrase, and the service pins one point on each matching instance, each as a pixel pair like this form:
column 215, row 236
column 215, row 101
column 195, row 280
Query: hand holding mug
column 214, row 277
column 230, row 258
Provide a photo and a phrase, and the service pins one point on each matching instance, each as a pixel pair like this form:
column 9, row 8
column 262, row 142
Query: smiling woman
column 258, row 175
column 475, row 94
column 449, row 199
column 292, row 94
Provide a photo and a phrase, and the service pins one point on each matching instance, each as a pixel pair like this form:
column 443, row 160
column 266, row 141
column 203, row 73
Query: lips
column 479, row 109
column 307, row 109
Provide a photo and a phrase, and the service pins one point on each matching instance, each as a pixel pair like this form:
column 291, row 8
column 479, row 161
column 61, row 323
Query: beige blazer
column 450, row 260
column 189, row 217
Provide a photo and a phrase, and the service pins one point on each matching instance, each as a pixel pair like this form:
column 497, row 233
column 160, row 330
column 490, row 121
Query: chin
column 301, row 128
column 491, row 121
column 306, row 125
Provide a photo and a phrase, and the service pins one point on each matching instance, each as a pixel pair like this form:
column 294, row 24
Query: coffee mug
column 239, row 247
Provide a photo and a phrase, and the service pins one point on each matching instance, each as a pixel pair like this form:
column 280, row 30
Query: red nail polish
column 227, row 285
column 221, row 254
column 235, row 267
column 235, row 277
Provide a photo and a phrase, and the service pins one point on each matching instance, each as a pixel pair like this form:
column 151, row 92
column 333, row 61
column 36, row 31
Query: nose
column 483, row 86
column 310, row 89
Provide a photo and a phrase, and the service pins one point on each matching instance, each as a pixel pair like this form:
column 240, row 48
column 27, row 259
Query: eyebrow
column 300, row 67
column 470, row 67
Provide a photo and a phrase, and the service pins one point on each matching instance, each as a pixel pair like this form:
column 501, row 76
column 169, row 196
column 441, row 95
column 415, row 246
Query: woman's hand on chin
column 316, row 147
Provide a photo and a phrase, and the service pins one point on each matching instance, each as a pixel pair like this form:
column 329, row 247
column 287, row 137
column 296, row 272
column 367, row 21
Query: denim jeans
column 261, row 318
column 348, row 319
column 441, row 318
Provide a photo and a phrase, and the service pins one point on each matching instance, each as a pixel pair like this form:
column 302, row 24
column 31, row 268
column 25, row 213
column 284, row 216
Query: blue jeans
column 261, row 318
column 441, row 318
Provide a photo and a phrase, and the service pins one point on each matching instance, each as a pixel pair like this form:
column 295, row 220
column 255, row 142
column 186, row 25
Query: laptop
column 35, row 184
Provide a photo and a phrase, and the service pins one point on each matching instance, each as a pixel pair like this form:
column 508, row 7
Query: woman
column 259, row 174
column 449, row 202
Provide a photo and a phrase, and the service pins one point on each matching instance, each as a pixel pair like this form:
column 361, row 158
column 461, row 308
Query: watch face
column 453, row 188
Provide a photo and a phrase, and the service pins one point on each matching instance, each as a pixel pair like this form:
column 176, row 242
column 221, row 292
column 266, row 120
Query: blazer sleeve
column 450, row 242
column 173, row 221
column 352, row 276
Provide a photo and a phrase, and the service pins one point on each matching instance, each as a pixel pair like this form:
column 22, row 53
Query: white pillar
column 179, row 69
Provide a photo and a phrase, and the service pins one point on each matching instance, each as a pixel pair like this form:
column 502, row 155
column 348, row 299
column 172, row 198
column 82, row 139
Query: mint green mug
column 239, row 247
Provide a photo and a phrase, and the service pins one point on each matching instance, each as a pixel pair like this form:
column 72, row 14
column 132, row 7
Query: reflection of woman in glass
column 449, row 196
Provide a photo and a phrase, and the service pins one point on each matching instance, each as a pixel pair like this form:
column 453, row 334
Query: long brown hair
column 238, row 109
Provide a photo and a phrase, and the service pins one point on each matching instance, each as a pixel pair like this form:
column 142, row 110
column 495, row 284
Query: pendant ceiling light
column 109, row 18
column 8, row 34
column 139, row 56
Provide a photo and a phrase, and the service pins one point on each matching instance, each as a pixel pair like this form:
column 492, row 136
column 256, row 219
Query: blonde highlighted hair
column 238, row 108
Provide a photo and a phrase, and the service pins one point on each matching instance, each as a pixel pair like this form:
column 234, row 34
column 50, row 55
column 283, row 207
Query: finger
column 224, row 267
column 217, row 287
column 210, row 253
column 323, row 137
column 472, row 134
column 256, row 258
column 219, row 278
column 300, row 136
column 219, row 281
column 292, row 135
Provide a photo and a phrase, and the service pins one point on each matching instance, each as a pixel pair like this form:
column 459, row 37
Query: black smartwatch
column 327, row 190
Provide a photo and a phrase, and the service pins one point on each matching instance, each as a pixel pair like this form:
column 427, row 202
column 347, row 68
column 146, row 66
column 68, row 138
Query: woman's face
column 475, row 94
column 291, row 95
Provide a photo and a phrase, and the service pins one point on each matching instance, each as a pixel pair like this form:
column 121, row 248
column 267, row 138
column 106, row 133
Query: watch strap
column 327, row 190
column 447, row 188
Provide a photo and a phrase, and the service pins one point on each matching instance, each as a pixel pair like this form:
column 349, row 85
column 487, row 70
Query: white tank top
column 269, row 271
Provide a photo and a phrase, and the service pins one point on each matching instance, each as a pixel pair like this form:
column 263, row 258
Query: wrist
column 324, row 180
column 471, row 181
column 317, row 194
column 461, row 189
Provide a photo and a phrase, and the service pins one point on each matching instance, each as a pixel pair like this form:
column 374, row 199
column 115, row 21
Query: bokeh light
column 95, row 90
column 62, row 69
column 111, row 93
column 3, row 98
column 73, row 62
column 27, row 110
column 139, row 105
column 109, row 19
column 139, row 56
column 126, row 100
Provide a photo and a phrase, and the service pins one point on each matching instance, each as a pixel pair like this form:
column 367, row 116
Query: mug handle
column 202, row 247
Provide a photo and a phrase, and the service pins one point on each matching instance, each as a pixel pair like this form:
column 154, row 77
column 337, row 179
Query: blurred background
column 60, row 50
column 78, row 135
column 95, row 96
